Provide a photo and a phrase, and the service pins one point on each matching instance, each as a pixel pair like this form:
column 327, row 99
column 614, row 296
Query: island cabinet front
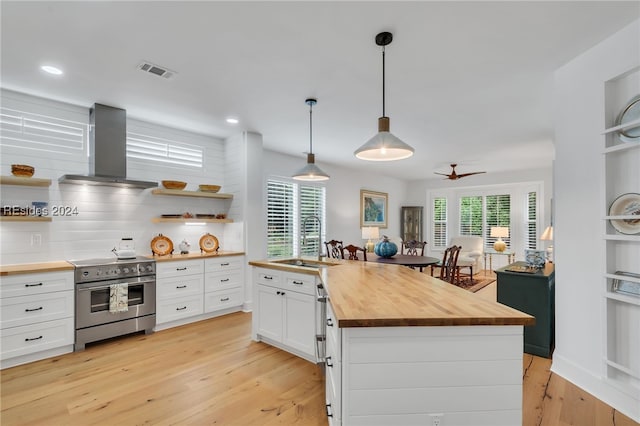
column 459, row 375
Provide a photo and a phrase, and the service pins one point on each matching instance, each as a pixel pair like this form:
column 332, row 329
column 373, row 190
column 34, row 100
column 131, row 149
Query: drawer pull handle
column 329, row 362
column 329, row 413
column 298, row 282
column 181, row 309
column 33, row 285
column 329, row 322
column 224, row 264
column 224, row 280
column 32, row 339
column 33, row 310
column 267, row 277
column 181, row 269
column 181, row 286
column 280, row 292
column 225, row 299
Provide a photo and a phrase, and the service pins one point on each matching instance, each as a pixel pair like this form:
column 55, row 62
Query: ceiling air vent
column 156, row 69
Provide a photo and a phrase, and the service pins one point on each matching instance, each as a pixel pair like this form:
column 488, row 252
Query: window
column 498, row 213
column 288, row 205
column 42, row 132
column 532, row 221
column 439, row 237
column 471, row 216
column 150, row 148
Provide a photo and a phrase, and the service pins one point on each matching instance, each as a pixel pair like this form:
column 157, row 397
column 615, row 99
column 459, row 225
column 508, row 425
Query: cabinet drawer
column 333, row 386
column 33, row 338
column 334, row 343
column 26, row 284
column 170, row 288
column 179, row 268
column 178, row 308
column 223, row 280
column 217, row 300
column 301, row 283
column 333, row 402
column 267, row 276
column 224, row 264
column 18, row 311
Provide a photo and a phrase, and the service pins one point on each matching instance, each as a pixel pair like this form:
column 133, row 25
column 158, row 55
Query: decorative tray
column 209, row 243
column 626, row 205
column 161, row 245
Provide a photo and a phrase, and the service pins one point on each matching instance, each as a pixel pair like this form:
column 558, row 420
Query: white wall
column 343, row 195
column 579, row 211
column 105, row 214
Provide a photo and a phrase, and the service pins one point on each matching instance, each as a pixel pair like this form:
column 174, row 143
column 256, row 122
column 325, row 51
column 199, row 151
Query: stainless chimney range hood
column 108, row 151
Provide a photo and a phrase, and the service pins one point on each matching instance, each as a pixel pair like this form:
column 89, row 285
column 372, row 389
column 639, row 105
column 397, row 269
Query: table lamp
column 499, row 231
column 547, row 235
column 369, row 232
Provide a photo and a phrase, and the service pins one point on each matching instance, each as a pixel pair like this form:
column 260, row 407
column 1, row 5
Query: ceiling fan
column 454, row 176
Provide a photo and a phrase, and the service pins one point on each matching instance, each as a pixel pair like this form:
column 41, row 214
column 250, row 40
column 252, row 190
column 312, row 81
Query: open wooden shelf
column 188, row 220
column 24, row 181
column 200, row 194
column 25, row 219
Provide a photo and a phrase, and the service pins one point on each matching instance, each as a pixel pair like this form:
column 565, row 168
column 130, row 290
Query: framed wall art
column 373, row 208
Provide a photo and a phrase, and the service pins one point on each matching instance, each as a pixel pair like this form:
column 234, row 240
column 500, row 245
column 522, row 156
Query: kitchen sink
column 302, row 262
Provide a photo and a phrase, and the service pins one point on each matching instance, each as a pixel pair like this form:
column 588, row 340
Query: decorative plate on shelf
column 161, row 245
column 626, row 205
column 208, row 243
column 629, row 113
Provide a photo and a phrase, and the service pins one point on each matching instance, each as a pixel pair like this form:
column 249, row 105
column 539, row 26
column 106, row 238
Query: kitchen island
column 405, row 348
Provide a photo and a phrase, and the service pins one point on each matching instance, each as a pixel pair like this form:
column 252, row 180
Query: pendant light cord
column 383, row 114
column 310, row 129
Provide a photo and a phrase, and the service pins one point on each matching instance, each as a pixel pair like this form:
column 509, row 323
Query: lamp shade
column 370, row 232
column 547, row 235
column 499, row 231
column 384, row 146
column 310, row 172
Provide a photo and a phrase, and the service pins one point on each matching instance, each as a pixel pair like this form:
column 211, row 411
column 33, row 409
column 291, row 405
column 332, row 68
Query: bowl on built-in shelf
column 22, row 170
column 174, row 184
column 209, row 188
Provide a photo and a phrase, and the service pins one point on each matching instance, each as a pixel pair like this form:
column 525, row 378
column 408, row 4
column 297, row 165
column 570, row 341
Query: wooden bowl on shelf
column 209, row 188
column 174, row 184
column 22, row 170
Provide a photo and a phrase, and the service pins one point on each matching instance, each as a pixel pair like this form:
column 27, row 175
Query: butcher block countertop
column 195, row 255
column 371, row 294
column 28, row 268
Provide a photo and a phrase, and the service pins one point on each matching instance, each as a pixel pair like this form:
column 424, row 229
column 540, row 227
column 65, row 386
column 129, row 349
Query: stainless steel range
column 113, row 298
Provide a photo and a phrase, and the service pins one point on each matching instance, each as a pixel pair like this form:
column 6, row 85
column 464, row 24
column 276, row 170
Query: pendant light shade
column 384, row 146
column 311, row 172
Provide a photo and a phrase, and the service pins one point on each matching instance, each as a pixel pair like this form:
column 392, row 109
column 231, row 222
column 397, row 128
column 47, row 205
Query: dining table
column 405, row 260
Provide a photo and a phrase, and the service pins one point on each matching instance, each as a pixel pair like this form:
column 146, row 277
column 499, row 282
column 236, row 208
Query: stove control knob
column 98, row 272
column 117, row 271
column 150, row 268
column 125, row 270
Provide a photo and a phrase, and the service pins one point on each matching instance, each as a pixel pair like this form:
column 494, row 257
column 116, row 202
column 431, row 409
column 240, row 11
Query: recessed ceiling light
column 232, row 120
column 51, row 70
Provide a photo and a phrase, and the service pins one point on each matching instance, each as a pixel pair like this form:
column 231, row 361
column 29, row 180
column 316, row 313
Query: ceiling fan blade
column 443, row 174
column 469, row 174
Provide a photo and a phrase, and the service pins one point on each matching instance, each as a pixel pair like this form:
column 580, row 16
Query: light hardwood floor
column 210, row 372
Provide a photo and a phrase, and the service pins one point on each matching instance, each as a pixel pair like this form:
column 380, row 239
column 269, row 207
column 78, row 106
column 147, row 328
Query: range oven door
column 92, row 301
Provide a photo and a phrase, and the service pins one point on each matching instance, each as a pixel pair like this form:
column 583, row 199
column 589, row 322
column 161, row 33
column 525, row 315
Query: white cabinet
column 621, row 157
column 333, row 363
column 196, row 289
column 179, row 290
column 223, row 283
column 285, row 313
column 37, row 319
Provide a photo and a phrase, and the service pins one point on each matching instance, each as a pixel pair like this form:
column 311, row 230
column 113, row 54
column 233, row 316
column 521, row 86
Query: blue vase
column 385, row 248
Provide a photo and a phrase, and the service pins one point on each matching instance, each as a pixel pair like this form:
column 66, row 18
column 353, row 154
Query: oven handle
column 101, row 287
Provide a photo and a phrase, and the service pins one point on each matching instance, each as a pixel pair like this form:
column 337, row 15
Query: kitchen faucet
column 304, row 232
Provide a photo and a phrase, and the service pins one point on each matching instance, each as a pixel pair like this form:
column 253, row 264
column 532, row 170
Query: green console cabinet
column 534, row 294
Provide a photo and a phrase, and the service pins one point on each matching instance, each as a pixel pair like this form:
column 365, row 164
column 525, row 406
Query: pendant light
column 310, row 172
column 384, row 146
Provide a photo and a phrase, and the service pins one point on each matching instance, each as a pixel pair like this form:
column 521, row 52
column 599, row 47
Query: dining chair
column 353, row 252
column 334, row 249
column 413, row 248
column 449, row 267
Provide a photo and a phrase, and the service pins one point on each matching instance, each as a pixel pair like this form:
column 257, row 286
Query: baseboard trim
column 598, row 386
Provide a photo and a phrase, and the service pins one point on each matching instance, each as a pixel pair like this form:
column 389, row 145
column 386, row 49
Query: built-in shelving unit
column 24, row 181
column 189, row 220
column 200, row 194
column 621, row 251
